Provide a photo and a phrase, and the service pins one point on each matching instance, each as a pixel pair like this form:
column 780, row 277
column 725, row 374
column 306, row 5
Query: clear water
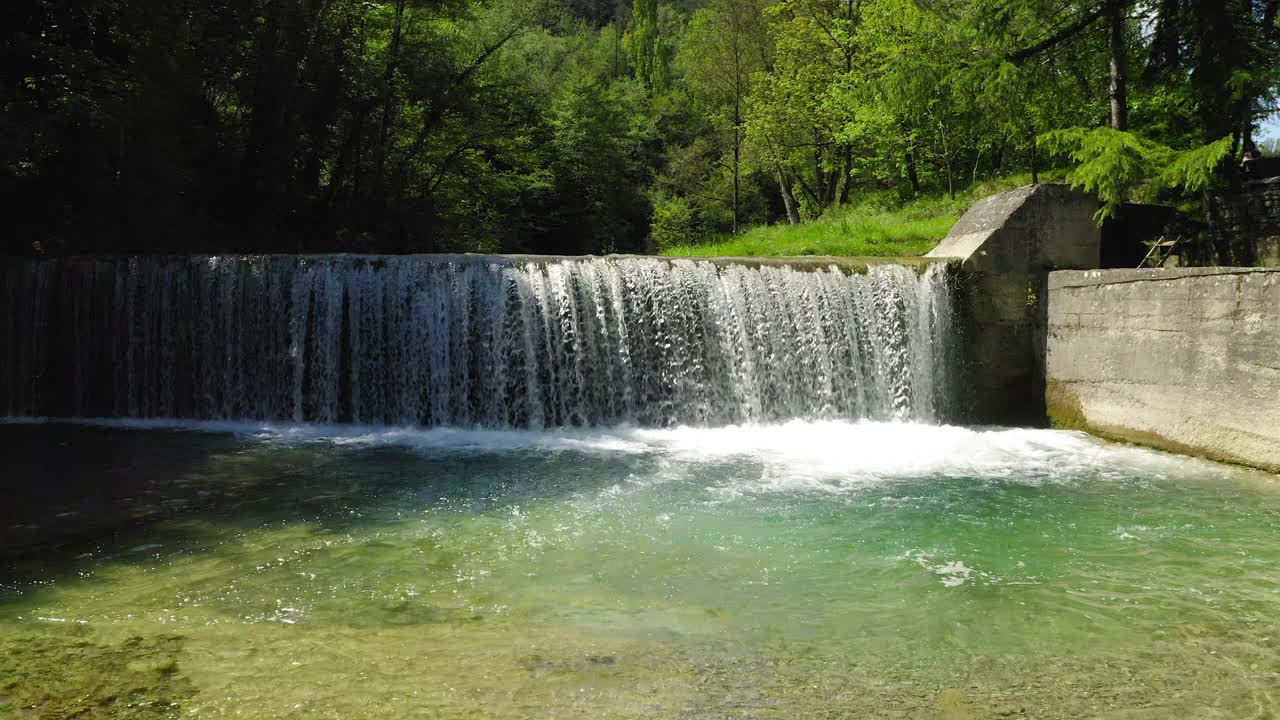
column 803, row 570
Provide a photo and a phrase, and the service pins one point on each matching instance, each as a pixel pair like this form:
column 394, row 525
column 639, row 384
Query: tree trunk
column 1117, row 62
column 1035, row 172
column 811, row 194
column 788, row 200
column 737, row 158
column 846, row 177
column 1165, row 51
column 388, row 102
column 946, row 161
column 818, row 193
column 1212, row 72
column 913, row 172
column 829, row 194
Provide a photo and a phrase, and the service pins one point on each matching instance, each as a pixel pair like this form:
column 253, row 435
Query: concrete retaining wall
column 1008, row 243
column 1186, row 359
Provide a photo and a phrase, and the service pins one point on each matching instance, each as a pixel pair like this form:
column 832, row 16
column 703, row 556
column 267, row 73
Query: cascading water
column 474, row 341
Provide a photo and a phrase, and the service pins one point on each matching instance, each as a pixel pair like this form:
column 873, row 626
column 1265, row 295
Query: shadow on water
column 77, row 491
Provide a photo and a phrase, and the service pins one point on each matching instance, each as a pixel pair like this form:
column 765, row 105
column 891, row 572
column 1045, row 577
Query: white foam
column 822, row 456
column 951, row 573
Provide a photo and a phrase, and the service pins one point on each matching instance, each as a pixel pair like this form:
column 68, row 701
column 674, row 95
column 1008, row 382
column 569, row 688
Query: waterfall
column 473, row 340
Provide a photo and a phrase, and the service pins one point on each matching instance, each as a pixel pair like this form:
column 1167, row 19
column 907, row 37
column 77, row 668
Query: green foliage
column 800, row 120
column 1196, row 169
column 650, row 57
column 536, row 126
column 1121, row 166
column 1113, row 164
column 675, row 223
column 596, row 197
column 724, row 46
column 880, row 224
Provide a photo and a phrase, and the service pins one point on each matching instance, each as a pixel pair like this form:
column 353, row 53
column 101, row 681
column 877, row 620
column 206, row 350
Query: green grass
column 877, row 224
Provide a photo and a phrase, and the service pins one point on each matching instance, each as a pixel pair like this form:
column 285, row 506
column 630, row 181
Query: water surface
column 802, row 570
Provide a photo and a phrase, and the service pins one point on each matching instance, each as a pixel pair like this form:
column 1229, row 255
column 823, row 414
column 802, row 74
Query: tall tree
column 1117, row 64
column 726, row 43
column 646, row 48
column 798, row 114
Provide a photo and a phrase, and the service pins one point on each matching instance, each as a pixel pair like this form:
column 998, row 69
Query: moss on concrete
column 1066, row 413
column 1063, row 408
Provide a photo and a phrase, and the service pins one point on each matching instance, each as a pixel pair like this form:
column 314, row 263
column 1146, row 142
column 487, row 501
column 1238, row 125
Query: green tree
column 646, row 48
column 725, row 45
column 598, row 206
column 798, row 114
column 532, row 125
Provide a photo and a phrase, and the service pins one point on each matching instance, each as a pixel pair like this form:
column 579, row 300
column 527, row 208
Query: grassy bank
column 875, row 225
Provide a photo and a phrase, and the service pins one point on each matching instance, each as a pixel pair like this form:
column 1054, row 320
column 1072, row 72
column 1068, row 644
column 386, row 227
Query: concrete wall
column 1008, row 244
column 1186, row 359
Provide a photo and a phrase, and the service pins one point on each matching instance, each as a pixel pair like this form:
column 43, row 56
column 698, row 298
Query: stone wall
column 1247, row 226
column 1186, row 359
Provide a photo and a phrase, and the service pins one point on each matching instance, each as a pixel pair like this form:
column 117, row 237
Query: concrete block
column 1037, row 227
column 1008, row 243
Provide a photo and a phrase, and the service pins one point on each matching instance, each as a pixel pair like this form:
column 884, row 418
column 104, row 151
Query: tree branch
column 1063, row 35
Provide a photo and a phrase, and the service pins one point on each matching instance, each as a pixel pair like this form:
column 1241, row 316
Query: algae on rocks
column 52, row 676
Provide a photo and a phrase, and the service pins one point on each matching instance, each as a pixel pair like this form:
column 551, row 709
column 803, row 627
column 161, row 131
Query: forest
column 594, row 126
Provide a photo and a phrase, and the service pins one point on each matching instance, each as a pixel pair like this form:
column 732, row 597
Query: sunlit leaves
column 1122, row 166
